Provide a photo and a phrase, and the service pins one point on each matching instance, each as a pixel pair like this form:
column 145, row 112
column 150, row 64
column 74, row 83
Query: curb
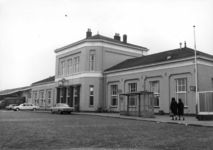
column 169, row 122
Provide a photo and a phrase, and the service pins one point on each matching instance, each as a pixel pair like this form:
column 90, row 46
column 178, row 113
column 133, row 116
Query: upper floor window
column 181, row 90
column 92, row 61
column 76, row 67
column 69, row 66
column 132, row 99
column 155, row 88
column 62, row 68
column 114, row 96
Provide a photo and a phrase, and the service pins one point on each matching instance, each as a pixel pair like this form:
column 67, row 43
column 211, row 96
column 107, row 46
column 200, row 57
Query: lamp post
column 196, row 84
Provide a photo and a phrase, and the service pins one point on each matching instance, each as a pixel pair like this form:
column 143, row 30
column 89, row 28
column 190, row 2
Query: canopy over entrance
column 140, row 103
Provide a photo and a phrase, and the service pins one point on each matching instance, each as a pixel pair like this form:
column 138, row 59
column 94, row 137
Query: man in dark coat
column 180, row 109
column 173, row 108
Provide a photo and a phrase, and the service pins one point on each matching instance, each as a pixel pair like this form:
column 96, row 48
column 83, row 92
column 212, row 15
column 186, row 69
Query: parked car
column 10, row 107
column 62, row 108
column 26, row 106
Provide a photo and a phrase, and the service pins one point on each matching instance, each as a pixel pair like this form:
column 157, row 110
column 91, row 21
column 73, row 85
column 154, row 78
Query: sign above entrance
column 62, row 81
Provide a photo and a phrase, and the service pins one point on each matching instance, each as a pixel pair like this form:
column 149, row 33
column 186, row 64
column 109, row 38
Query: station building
column 93, row 72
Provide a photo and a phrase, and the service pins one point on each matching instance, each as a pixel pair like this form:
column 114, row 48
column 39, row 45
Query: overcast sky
column 30, row 30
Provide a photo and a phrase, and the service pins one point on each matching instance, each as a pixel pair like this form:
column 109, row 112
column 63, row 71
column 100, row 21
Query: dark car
column 61, row 108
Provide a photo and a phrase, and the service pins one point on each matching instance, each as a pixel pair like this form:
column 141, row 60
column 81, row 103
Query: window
column 29, row 95
column 181, row 90
column 42, row 97
column 114, row 96
column 132, row 99
column 155, row 88
column 35, row 97
column 92, row 61
column 61, row 95
column 69, row 66
column 91, row 99
column 75, row 96
column 49, row 96
column 62, row 68
column 68, row 95
column 76, row 67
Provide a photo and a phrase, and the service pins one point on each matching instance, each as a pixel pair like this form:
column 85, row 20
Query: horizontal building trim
column 103, row 43
column 80, row 75
column 151, row 68
column 43, row 85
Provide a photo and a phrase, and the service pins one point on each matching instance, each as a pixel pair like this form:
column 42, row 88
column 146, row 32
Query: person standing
column 173, row 108
column 180, row 109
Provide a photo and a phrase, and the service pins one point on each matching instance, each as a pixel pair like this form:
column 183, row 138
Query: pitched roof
column 158, row 58
column 50, row 79
column 15, row 90
column 100, row 37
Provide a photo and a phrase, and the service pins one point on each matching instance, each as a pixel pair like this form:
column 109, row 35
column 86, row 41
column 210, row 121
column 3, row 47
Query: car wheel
column 60, row 112
column 17, row 109
column 34, row 109
column 52, row 111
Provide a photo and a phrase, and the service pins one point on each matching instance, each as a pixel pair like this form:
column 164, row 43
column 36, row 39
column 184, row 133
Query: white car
column 25, row 106
column 61, row 108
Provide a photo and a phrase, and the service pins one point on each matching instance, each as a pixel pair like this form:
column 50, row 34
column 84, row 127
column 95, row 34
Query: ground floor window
column 91, row 98
column 155, row 88
column 132, row 99
column 181, row 90
column 49, row 97
column 114, row 96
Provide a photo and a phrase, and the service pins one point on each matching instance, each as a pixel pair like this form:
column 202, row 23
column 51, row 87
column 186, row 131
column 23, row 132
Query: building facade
column 167, row 74
column 43, row 93
column 79, row 68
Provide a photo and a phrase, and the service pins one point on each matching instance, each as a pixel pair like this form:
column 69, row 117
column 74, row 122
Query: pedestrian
column 180, row 109
column 173, row 108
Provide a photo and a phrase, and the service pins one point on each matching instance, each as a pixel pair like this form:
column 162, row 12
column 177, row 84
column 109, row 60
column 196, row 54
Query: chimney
column 89, row 33
column 185, row 44
column 125, row 38
column 117, row 37
column 180, row 46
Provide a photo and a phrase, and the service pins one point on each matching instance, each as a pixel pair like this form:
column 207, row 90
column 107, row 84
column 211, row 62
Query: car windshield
column 64, row 105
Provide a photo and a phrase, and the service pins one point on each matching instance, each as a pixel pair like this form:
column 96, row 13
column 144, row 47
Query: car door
column 24, row 107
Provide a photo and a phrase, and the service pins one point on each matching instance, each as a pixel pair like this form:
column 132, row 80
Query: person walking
column 173, row 108
column 180, row 109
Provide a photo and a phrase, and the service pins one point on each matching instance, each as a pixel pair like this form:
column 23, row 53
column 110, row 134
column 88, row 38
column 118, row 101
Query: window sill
column 185, row 107
column 91, row 106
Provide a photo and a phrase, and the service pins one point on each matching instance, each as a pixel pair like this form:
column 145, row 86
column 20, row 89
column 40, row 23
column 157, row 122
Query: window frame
column 156, row 94
column 91, row 95
column 185, row 101
column 76, row 64
column 92, row 62
column 69, row 66
column 114, row 95
column 132, row 89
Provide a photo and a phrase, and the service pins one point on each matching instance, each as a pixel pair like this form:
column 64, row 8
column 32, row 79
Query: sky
column 30, row 30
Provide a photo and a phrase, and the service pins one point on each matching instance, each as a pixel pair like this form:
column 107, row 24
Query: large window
column 69, row 66
column 75, row 96
column 61, row 95
column 91, row 98
column 114, row 96
column 181, row 90
column 42, row 97
column 155, row 88
column 132, row 99
column 92, row 60
column 62, row 68
column 76, row 67
column 49, row 97
column 35, row 98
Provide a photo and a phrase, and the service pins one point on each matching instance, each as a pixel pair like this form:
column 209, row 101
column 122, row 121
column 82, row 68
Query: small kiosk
column 143, row 104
